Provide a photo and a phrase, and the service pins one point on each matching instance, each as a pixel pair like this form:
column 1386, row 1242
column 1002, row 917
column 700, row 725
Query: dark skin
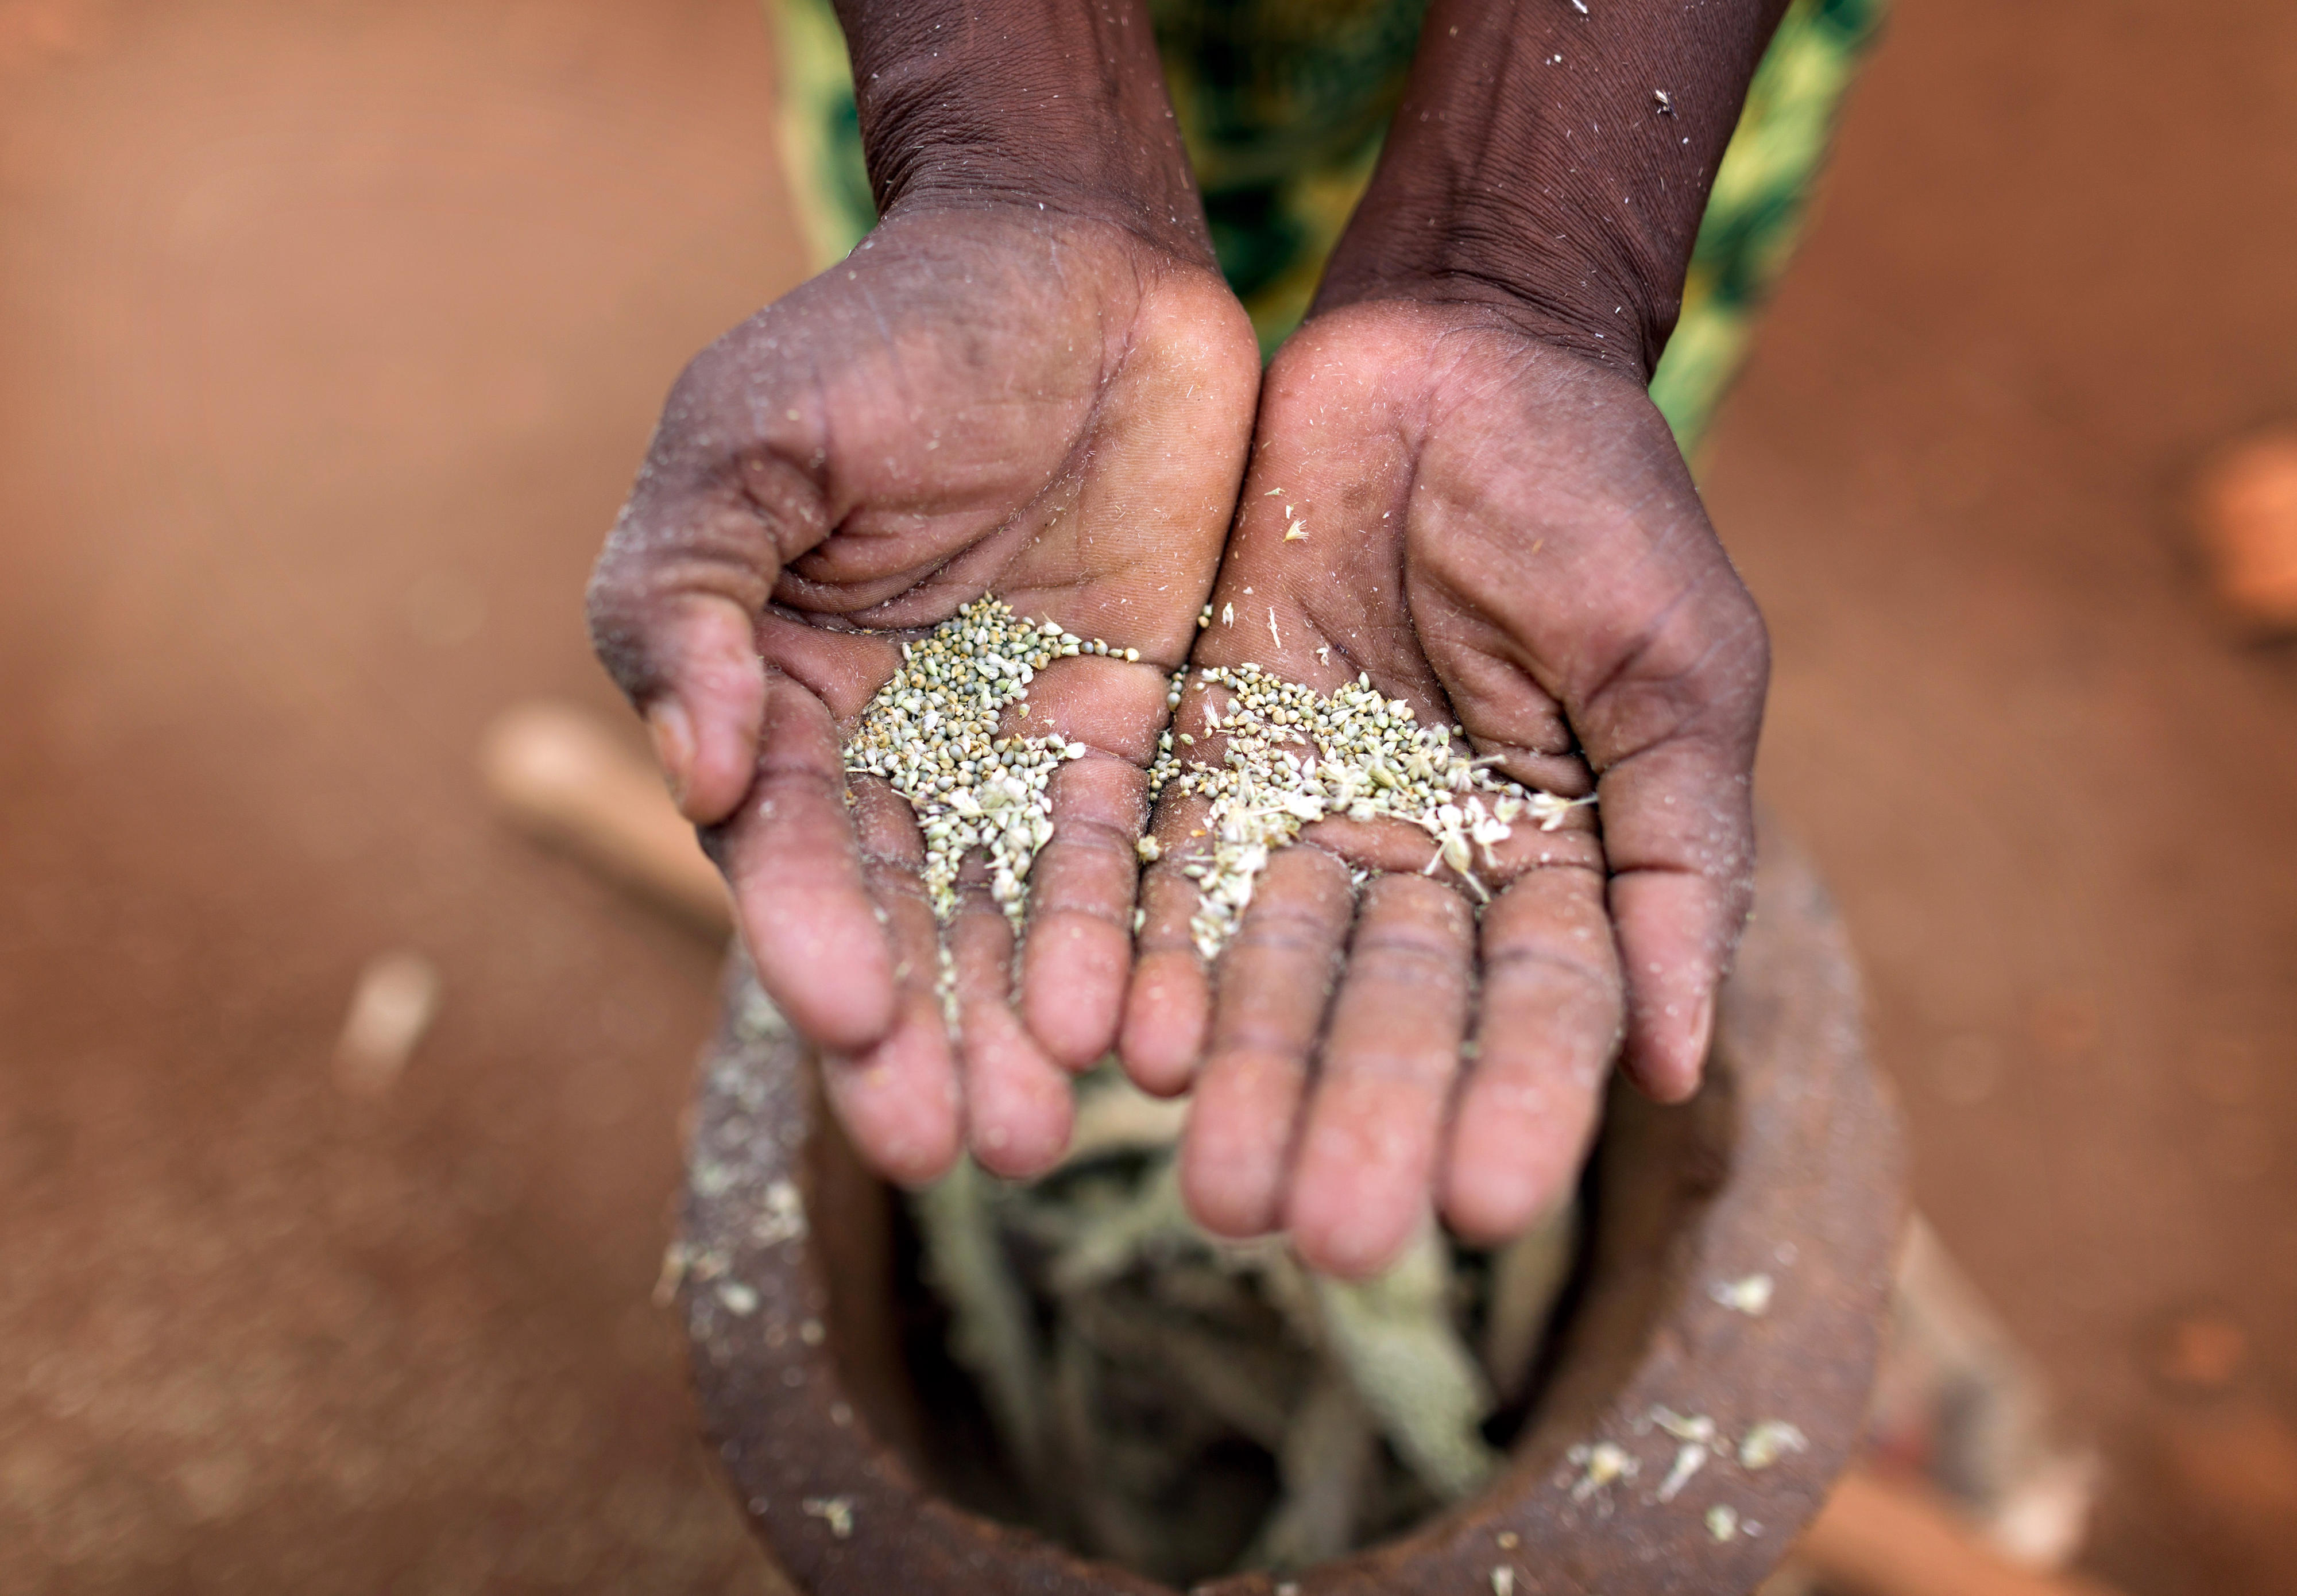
column 1043, row 391
column 1055, row 405
column 1470, row 488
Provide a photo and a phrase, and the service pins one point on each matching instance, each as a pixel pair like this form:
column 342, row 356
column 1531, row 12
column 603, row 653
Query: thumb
column 692, row 669
column 675, row 601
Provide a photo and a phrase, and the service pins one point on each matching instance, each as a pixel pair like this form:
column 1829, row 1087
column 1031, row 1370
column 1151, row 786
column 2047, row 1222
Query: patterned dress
column 1283, row 103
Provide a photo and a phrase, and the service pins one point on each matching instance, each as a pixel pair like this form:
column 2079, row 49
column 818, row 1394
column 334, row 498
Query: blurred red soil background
column 330, row 334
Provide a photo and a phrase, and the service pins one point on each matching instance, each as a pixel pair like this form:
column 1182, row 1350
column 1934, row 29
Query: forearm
column 1055, row 103
column 1555, row 163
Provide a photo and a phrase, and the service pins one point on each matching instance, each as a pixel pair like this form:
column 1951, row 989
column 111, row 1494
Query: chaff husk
column 1124, row 1356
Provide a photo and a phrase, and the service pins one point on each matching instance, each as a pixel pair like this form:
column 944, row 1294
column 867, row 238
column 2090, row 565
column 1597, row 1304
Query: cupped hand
column 992, row 399
column 1504, row 534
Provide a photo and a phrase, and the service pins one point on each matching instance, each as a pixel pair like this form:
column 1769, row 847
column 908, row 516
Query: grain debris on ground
column 1599, row 1466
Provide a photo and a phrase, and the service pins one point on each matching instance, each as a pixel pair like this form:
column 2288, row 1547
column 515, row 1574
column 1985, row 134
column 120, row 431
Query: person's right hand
column 993, row 397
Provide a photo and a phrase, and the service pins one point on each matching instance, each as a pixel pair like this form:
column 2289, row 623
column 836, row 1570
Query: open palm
column 1504, row 535
column 978, row 400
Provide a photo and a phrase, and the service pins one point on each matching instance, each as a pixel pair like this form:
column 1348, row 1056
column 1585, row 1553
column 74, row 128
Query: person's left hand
column 1503, row 533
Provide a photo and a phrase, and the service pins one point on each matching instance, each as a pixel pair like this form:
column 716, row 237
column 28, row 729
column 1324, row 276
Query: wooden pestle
column 1880, row 1537
column 557, row 772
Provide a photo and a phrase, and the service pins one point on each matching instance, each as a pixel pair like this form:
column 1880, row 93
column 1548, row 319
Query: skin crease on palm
column 979, row 400
column 1504, row 535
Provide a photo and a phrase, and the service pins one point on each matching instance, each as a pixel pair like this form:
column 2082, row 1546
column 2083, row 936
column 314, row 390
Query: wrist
column 1552, row 164
column 1052, row 104
column 1598, row 311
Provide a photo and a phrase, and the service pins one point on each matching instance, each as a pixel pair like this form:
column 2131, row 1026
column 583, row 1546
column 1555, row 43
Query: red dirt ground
column 329, row 336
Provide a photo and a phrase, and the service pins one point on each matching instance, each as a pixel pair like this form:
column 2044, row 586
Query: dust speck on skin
column 1750, row 1295
column 836, row 1512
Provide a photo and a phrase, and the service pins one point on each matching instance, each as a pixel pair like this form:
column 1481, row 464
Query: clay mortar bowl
column 1787, row 1164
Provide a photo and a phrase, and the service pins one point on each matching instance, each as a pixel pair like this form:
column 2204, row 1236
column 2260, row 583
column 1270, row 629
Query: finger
column 1368, row 1151
column 1674, row 737
column 791, row 856
column 1077, row 955
column 1168, row 1003
column 1677, row 931
column 685, row 574
column 898, row 1098
column 1275, row 978
column 1546, row 1027
column 1018, row 1108
column 701, row 690
column 1079, row 952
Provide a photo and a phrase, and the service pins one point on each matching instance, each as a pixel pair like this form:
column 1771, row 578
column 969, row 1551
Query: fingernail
column 1702, row 1036
column 673, row 746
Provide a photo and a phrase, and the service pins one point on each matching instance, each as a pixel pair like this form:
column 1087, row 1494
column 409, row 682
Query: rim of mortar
column 1787, row 1163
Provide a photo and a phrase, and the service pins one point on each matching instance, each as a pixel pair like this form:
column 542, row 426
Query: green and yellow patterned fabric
column 1283, row 103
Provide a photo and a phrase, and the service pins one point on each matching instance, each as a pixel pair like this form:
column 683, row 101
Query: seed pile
column 932, row 732
column 1293, row 757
